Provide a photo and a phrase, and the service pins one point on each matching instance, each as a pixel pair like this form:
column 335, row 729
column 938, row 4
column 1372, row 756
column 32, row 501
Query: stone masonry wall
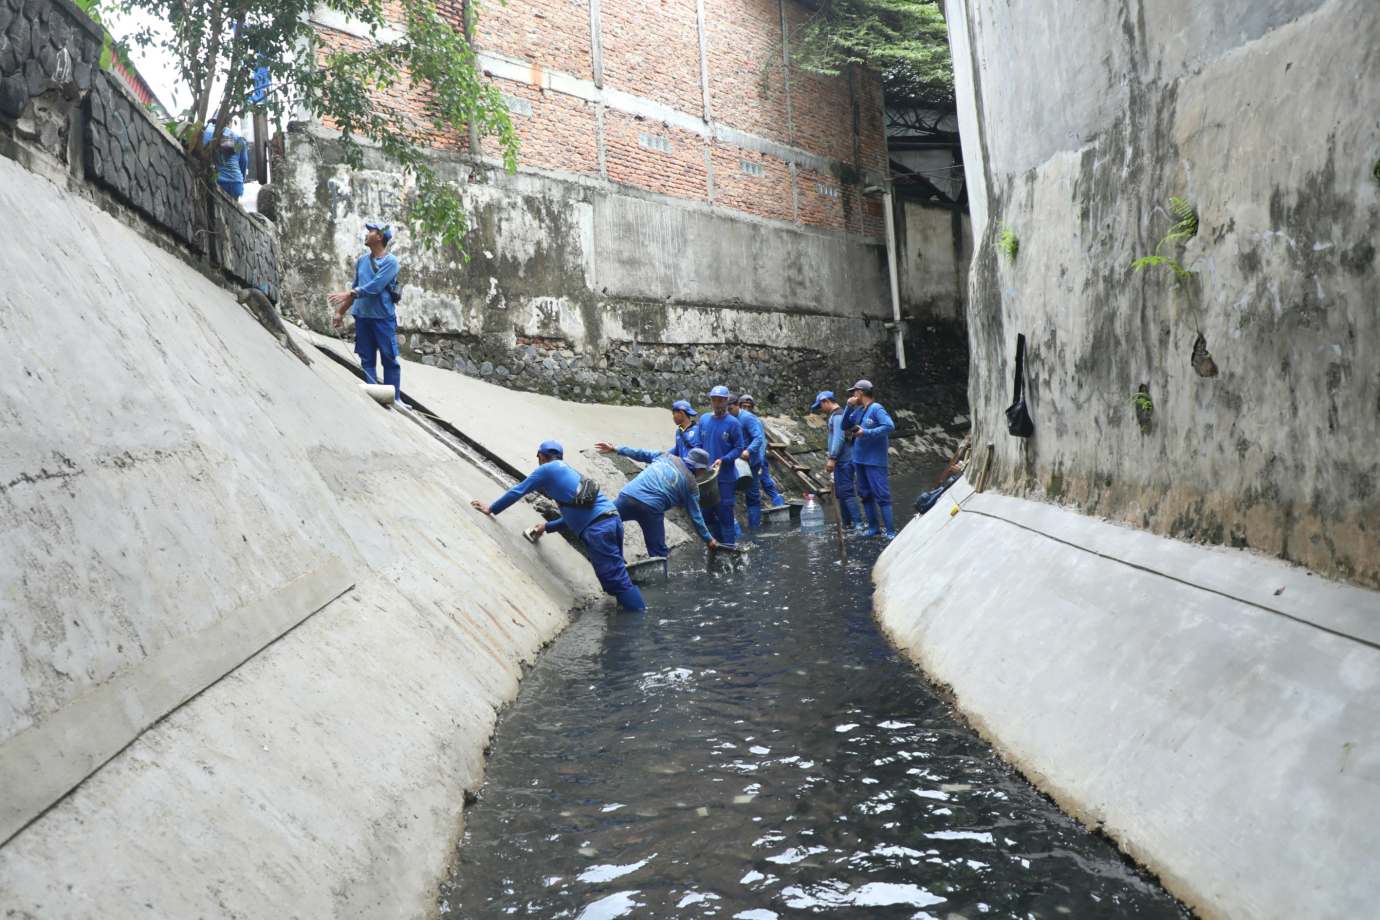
column 57, row 102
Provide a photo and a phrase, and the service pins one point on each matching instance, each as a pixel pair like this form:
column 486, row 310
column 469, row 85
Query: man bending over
column 667, row 481
column 584, row 510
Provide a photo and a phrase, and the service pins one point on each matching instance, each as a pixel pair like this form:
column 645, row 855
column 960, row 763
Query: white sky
column 154, row 65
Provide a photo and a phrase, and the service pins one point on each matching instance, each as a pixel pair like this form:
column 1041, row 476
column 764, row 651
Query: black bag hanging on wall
column 1017, row 416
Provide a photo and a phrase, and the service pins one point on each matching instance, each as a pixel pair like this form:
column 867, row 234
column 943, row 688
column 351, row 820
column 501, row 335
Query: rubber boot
column 874, row 526
column 755, row 515
column 631, row 599
column 393, row 377
column 852, row 515
column 890, row 527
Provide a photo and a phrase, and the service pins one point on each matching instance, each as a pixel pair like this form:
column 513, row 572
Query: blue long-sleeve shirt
column 664, row 484
column 234, row 167
column 840, row 448
column 687, row 439
column 371, row 286
column 870, row 447
column 559, row 482
column 723, row 439
column 756, row 437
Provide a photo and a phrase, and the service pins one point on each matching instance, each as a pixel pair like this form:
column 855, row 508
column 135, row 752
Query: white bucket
column 383, row 393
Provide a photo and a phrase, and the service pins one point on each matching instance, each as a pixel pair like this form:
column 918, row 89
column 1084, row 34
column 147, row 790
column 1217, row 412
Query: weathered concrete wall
column 934, row 249
column 1076, row 137
column 1214, row 711
column 166, row 466
column 602, row 275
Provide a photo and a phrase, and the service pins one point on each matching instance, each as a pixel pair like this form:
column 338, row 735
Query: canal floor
column 751, row 747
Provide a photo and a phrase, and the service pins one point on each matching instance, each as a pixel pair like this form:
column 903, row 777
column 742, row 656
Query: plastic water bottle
column 812, row 515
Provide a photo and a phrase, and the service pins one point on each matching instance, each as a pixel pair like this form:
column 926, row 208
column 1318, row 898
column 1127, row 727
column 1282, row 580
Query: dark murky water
column 752, row 748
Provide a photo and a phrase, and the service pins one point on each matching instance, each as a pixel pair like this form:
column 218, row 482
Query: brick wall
column 762, row 112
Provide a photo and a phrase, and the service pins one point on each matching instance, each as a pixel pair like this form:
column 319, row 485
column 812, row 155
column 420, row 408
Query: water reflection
column 751, row 748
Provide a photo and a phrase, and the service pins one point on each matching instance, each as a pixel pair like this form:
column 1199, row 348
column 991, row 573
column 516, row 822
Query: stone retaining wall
column 57, row 102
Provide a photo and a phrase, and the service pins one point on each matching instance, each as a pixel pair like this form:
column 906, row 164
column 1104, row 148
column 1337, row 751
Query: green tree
column 220, row 44
column 906, row 41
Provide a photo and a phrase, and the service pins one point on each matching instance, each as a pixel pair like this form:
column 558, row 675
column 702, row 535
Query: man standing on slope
column 370, row 301
column 584, row 510
column 755, row 453
column 667, row 481
column 687, row 434
column 721, row 436
column 868, row 425
column 840, row 460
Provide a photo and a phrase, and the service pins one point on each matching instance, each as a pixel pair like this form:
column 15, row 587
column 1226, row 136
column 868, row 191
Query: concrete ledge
column 1225, row 736
column 46, row 761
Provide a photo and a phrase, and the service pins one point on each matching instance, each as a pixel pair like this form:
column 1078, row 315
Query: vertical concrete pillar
column 704, row 58
column 786, row 70
column 596, row 44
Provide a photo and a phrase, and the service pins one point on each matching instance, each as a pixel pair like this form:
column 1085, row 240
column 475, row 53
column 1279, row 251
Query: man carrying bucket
column 667, row 481
column 721, row 436
column 755, row 453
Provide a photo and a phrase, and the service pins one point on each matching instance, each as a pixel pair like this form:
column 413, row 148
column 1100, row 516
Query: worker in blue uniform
column 755, row 453
column 763, row 472
column 840, row 463
column 868, row 426
column 721, row 436
column 585, row 511
column 368, row 300
column 667, row 481
column 687, row 434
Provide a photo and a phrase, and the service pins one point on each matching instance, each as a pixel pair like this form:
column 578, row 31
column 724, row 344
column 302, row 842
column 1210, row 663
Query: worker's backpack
column 586, row 494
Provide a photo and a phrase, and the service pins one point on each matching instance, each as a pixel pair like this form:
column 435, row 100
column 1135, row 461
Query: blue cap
column 551, row 449
column 683, row 406
column 823, row 395
column 697, row 458
column 719, row 391
column 384, row 230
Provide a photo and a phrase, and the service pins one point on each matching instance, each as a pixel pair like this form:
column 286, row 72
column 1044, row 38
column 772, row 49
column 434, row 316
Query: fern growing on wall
column 1184, row 230
column 1007, row 244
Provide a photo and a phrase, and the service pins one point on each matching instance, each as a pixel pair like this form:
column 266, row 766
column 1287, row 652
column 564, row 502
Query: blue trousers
column 652, row 522
column 752, row 495
column 377, row 339
column 872, row 484
column 234, row 189
column 844, row 492
column 719, row 519
column 603, row 541
column 763, row 475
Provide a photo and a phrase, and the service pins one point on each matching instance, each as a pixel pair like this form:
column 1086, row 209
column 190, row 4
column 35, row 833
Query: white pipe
column 895, row 283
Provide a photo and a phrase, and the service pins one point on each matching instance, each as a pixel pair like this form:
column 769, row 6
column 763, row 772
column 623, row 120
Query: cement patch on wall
column 1224, row 734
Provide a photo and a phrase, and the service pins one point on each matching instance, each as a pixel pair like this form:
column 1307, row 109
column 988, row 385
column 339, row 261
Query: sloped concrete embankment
column 1215, row 712
column 181, row 497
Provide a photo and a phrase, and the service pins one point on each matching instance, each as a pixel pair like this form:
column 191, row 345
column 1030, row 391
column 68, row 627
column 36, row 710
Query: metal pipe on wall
column 896, row 326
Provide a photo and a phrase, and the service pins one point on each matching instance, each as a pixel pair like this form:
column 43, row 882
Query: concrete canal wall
column 1214, row 711
column 1202, row 700
column 252, row 636
column 1078, row 129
